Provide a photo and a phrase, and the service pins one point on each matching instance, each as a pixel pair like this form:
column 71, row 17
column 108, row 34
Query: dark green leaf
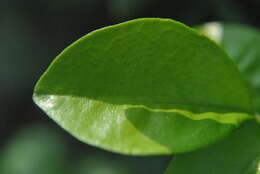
column 236, row 154
column 148, row 86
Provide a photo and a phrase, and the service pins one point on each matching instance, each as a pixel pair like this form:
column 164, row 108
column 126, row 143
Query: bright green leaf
column 236, row 154
column 147, row 86
column 243, row 45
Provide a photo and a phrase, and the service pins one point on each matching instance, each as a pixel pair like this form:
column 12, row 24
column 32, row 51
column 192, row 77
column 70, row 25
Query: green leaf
column 243, row 45
column 147, row 86
column 236, row 154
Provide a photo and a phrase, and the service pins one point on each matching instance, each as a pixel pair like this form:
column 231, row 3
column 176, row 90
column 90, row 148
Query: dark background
column 32, row 33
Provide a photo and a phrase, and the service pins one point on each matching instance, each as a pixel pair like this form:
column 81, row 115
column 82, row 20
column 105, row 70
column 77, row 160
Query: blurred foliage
column 33, row 32
column 126, row 8
column 97, row 164
column 35, row 149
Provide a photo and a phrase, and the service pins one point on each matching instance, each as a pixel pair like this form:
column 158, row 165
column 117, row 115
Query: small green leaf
column 236, row 154
column 147, row 86
column 243, row 45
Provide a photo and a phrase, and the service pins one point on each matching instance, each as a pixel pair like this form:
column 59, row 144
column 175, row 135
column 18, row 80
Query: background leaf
column 148, row 86
column 236, row 154
column 36, row 149
column 98, row 164
column 243, row 45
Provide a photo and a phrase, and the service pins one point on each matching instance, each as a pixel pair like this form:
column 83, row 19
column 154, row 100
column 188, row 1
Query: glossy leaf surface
column 236, row 154
column 243, row 45
column 148, row 86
